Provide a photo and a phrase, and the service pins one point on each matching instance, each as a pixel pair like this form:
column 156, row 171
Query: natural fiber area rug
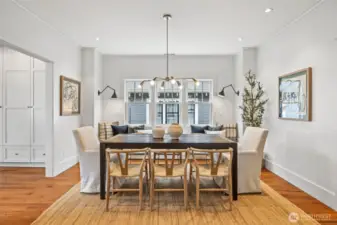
column 268, row 208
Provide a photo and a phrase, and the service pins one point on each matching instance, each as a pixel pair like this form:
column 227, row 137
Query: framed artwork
column 70, row 96
column 295, row 95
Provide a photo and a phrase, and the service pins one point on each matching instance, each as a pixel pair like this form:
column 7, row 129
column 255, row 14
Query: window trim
column 210, row 102
column 126, row 102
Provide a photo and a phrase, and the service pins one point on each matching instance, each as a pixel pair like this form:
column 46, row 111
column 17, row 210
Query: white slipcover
column 88, row 151
column 250, row 155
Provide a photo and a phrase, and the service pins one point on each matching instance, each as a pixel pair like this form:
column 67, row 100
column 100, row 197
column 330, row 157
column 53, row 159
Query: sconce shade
column 114, row 95
column 222, row 93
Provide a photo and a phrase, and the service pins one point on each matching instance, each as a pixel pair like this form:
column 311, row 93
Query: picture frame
column 70, row 96
column 295, row 94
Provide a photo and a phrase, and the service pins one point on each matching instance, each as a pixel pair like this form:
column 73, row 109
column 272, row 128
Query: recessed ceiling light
column 268, row 10
column 97, row 39
column 239, row 38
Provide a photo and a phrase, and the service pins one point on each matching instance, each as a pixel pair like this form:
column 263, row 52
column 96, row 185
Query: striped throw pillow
column 231, row 130
column 105, row 130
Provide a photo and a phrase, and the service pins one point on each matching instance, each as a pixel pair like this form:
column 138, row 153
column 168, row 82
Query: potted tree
column 253, row 104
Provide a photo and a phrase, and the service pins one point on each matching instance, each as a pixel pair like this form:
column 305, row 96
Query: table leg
column 235, row 172
column 102, row 170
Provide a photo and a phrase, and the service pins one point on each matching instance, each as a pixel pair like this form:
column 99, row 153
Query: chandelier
column 168, row 78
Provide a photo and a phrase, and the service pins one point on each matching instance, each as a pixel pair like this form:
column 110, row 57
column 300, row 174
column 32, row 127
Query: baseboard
column 22, row 165
column 319, row 192
column 65, row 164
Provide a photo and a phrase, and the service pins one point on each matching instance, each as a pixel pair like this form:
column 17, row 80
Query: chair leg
column 230, row 192
column 140, row 192
column 197, row 190
column 191, row 171
column 107, row 194
column 151, row 192
column 185, row 192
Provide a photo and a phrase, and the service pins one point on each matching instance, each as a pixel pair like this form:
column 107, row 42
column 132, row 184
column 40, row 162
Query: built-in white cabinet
column 22, row 112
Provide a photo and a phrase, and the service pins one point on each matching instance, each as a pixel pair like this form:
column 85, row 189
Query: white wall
column 92, row 81
column 21, row 28
column 98, row 105
column 88, row 86
column 245, row 60
column 304, row 153
column 117, row 68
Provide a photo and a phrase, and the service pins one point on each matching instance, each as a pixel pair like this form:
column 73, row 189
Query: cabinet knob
column 44, row 154
column 16, row 153
column 29, row 107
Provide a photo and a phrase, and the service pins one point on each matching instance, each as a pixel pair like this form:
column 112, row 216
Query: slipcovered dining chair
column 217, row 168
column 126, row 170
column 169, row 170
column 250, row 155
column 88, row 151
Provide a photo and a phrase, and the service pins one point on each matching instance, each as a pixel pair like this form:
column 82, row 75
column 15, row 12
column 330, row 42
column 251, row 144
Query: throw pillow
column 120, row 129
column 218, row 128
column 134, row 129
column 198, row 129
column 212, row 131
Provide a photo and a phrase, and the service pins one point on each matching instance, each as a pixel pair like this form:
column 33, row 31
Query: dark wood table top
column 185, row 140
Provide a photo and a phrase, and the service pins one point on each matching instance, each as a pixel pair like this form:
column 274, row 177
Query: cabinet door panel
column 17, row 127
column 39, row 89
column 1, row 126
column 38, row 154
column 17, row 88
column 16, row 154
column 15, row 60
column 1, row 154
column 38, row 136
column 38, row 64
column 1, row 71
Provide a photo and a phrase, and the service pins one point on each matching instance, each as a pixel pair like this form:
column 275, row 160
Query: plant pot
column 175, row 131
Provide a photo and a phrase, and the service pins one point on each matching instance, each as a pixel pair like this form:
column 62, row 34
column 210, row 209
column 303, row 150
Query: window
column 167, row 104
column 137, row 102
column 199, row 102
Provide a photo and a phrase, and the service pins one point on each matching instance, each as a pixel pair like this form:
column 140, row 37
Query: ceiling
column 198, row 27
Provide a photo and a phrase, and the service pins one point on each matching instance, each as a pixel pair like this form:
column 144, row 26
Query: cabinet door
column 15, row 60
column 38, row 154
column 1, row 154
column 1, row 90
column 38, row 123
column 17, row 105
column 17, row 126
column 17, row 89
column 16, row 154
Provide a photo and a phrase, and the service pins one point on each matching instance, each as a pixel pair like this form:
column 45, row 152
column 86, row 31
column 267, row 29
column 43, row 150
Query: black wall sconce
column 222, row 92
column 114, row 95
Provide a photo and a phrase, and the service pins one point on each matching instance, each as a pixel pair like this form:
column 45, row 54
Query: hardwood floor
column 25, row 193
column 308, row 204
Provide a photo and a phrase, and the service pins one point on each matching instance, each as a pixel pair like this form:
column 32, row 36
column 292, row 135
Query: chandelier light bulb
column 173, row 81
column 180, row 87
column 139, row 86
column 197, row 83
column 152, row 82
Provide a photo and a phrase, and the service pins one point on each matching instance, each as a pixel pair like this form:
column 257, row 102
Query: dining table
column 138, row 141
